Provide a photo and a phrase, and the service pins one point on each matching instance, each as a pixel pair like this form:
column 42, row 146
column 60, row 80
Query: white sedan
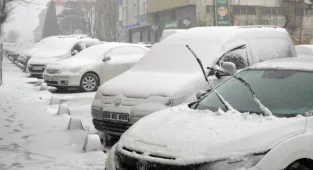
column 93, row 66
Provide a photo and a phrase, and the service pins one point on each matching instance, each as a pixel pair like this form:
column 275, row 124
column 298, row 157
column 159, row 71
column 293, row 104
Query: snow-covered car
column 51, row 50
column 304, row 50
column 265, row 124
column 93, row 66
column 169, row 32
column 168, row 74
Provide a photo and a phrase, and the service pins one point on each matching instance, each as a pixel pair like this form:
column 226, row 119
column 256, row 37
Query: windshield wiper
column 266, row 111
column 224, row 102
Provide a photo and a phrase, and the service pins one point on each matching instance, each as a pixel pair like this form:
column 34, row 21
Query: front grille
column 52, row 71
column 110, row 126
column 52, row 82
column 129, row 163
column 124, row 101
column 32, row 66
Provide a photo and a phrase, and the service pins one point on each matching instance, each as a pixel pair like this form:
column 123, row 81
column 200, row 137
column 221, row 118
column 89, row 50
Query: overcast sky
column 25, row 19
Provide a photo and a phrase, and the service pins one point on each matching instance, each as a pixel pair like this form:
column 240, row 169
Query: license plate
column 120, row 117
column 37, row 68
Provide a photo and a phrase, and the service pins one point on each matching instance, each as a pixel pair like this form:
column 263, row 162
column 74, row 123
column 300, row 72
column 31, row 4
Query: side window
column 79, row 47
column 136, row 51
column 117, row 52
column 238, row 57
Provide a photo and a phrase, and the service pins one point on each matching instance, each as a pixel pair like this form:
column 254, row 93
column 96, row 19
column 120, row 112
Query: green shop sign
column 222, row 13
column 170, row 25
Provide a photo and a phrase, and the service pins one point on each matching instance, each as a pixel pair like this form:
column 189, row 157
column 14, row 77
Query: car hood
column 146, row 84
column 43, row 61
column 200, row 136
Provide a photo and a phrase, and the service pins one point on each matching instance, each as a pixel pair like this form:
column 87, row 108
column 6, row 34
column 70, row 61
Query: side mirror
column 74, row 52
column 106, row 58
column 202, row 93
column 229, row 68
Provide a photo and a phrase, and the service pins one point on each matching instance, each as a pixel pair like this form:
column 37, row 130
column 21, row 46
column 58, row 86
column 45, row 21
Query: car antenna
column 226, row 104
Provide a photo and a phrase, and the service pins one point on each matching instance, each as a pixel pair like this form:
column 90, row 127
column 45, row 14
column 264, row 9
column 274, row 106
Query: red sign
column 222, row 11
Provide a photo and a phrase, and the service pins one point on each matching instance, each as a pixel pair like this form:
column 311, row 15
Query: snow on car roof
column 100, row 49
column 304, row 50
column 301, row 64
column 223, row 34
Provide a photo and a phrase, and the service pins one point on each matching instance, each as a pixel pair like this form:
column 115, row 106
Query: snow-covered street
column 33, row 136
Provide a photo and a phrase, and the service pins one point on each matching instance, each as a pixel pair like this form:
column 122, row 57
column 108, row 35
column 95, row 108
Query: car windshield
column 286, row 93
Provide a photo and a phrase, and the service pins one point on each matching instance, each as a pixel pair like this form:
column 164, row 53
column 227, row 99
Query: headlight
column 77, row 69
column 235, row 163
column 98, row 94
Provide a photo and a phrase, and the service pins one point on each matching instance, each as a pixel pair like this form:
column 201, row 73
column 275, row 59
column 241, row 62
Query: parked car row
column 209, row 98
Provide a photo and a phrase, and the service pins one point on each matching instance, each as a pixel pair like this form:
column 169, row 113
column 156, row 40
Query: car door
column 114, row 63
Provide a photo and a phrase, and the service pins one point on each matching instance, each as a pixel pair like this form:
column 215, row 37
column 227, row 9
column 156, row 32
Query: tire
column 298, row 166
column 89, row 82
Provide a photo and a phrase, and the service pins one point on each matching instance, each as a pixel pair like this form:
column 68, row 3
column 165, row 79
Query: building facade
column 37, row 33
column 145, row 20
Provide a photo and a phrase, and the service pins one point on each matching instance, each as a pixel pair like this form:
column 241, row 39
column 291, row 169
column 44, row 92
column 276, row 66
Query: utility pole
column 214, row 12
column 1, row 54
column 71, row 26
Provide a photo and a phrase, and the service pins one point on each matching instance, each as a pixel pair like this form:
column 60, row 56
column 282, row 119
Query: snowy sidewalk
column 31, row 135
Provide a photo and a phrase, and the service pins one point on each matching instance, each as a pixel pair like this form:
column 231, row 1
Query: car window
column 119, row 51
column 238, row 57
column 78, row 47
column 136, row 50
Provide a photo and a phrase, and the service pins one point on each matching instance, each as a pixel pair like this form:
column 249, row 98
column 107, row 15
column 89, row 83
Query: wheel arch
column 92, row 72
column 303, row 161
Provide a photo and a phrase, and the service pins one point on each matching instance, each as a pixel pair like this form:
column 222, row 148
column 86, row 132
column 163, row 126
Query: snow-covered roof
column 224, row 34
column 304, row 50
column 302, row 64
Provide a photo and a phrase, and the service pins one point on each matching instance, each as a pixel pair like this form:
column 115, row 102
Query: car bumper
column 111, row 127
column 62, row 80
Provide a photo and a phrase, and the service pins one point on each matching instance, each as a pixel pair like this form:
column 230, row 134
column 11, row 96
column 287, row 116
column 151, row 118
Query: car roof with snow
column 301, row 64
column 224, row 34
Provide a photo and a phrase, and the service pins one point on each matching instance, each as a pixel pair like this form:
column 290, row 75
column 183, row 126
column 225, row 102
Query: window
column 135, row 9
column 119, row 51
column 238, row 57
column 136, row 51
column 124, row 12
column 142, row 8
column 120, row 13
column 78, row 47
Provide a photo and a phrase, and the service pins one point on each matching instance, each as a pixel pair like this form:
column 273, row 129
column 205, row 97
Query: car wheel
column 89, row 82
column 109, row 140
column 298, row 166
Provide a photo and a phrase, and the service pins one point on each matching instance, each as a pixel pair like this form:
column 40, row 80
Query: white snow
column 304, row 50
column 193, row 136
column 32, row 136
column 301, row 64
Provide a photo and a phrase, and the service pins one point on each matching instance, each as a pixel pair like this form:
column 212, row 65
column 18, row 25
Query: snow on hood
column 193, row 136
column 43, row 61
column 143, row 85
